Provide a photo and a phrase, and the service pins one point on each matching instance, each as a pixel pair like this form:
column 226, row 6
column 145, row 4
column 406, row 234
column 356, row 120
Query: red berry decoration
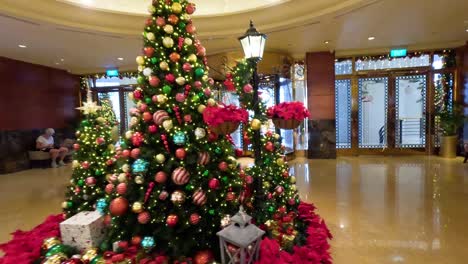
column 152, row 129
column 203, row 158
column 180, row 176
column 160, row 177
column 180, row 153
column 118, row 206
column 144, row 217
column 269, row 146
column 203, row 257
column 76, row 146
column 137, row 139
column 194, row 219
column 91, row 181
column 213, row 184
column 172, row 220
column 154, row 81
column 135, row 153
column 223, row 166
column 147, row 117
column 160, row 116
column 199, row 197
column 122, row 188
column 149, row 51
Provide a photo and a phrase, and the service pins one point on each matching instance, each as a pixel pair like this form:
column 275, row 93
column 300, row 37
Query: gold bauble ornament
column 176, row 8
column 140, row 60
column 178, row 197
column 141, row 68
column 151, row 9
column 266, row 184
column 125, row 168
column 164, row 66
column 201, row 108
column 160, row 158
column 293, row 188
column 280, row 161
column 180, row 80
column 205, row 78
column 211, row 102
column 101, row 120
column 192, row 58
column 168, row 42
column 292, row 179
column 167, row 124
column 122, row 177
column 169, row 29
column 134, row 121
column 51, row 241
column 161, row 98
column 137, row 207
column 64, row 205
column 255, row 124
column 128, row 134
column 188, row 41
column 150, row 36
column 139, row 180
column 185, row 17
column 55, row 259
column 75, row 164
column 90, row 254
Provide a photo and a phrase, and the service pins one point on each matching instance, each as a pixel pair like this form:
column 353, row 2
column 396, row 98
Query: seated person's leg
column 62, row 153
column 54, row 153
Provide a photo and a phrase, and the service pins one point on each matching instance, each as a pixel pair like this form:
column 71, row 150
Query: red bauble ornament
column 109, row 162
column 174, row 57
column 149, row 22
column 199, row 197
column 135, row 153
column 76, row 146
column 230, row 196
column 269, row 196
column 160, row 177
column 85, row 165
column 187, row 67
column 203, row 257
column 160, row 21
column 223, row 166
column 190, row 28
column 249, row 179
column 212, row 136
column 163, row 195
column 126, row 153
column 137, row 139
column 172, row 220
column 279, row 189
column 149, row 51
column 180, row 97
column 188, row 118
column 147, row 117
column 190, row 8
column 143, row 107
column 122, row 244
column 109, row 188
column 173, row 19
column 136, row 240
column 107, row 219
column 285, row 174
column 91, row 181
column 248, row 88
column 137, row 94
column 180, row 176
column 122, row 188
column 144, row 217
column 292, row 201
column 180, row 153
column 100, row 141
column 154, row 81
column 203, row 158
column 198, row 84
column 118, row 206
column 160, row 116
column 207, row 92
column 269, row 146
column 152, row 129
column 239, row 152
column 194, row 219
column 170, row 77
column 213, row 184
column 211, row 81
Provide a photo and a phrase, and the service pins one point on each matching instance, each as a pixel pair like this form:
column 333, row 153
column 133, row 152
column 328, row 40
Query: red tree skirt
column 25, row 247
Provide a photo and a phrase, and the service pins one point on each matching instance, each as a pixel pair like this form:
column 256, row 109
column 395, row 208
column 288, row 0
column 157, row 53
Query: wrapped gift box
column 83, row 230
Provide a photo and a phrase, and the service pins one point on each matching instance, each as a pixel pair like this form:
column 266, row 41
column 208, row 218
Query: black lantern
column 253, row 43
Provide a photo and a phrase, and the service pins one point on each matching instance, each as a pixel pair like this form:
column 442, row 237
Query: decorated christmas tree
column 178, row 180
column 93, row 159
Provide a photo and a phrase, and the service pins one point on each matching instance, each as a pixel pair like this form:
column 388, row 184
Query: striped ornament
column 180, row 176
column 203, row 158
column 199, row 197
column 160, row 116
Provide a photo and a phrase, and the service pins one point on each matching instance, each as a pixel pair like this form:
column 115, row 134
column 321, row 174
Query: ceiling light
column 466, row 30
column 87, row 2
column 62, row 59
column 22, row 46
column 326, row 42
column 120, row 59
column 371, row 38
column 57, row 63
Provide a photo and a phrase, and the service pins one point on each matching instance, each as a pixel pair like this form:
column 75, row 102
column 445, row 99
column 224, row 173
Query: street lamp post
column 253, row 44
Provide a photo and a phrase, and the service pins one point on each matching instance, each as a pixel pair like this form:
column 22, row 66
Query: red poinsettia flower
column 215, row 115
column 288, row 111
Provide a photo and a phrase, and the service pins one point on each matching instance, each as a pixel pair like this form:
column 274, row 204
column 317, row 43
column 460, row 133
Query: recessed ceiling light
column 22, row 46
column 120, row 59
column 371, row 38
column 326, row 42
column 62, row 59
column 466, row 30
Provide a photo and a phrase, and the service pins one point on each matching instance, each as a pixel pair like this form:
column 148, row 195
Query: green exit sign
column 398, row 53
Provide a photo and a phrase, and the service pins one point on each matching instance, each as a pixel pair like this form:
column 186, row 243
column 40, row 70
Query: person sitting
column 45, row 143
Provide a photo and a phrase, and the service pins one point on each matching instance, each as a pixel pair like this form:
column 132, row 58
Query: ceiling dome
column 204, row 7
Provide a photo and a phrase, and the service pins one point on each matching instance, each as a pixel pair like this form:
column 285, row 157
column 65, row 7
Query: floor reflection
column 390, row 209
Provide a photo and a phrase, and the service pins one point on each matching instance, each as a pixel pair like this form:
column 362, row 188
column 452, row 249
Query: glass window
column 343, row 113
column 373, row 98
column 229, row 98
column 115, row 81
column 410, row 129
column 285, row 95
column 128, row 104
column 343, row 67
column 383, row 62
column 443, row 97
column 300, row 94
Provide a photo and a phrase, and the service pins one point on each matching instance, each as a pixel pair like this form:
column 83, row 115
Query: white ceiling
column 204, row 7
column 90, row 40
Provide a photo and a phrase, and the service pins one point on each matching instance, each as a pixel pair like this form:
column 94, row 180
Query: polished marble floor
column 380, row 209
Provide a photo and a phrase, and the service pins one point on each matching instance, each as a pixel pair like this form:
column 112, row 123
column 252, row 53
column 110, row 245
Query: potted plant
column 451, row 119
column 288, row 115
column 224, row 119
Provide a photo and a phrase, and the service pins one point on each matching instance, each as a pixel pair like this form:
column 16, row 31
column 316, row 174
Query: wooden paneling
column 321, row 85
column 34, row 96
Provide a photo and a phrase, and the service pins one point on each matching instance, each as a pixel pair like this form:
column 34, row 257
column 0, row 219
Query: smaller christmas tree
column 92, row 160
